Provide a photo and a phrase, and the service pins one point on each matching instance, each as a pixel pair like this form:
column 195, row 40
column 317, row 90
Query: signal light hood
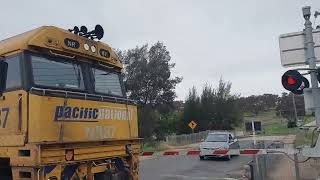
column 293, row 81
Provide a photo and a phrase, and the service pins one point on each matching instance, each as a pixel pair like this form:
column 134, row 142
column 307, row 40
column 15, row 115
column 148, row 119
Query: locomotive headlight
column 86, row 47
column 93, row 49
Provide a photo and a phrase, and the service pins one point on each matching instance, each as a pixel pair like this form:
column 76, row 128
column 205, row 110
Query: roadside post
column 253, row 134
column 253, row 126
column 192, row 125
column 256, row 159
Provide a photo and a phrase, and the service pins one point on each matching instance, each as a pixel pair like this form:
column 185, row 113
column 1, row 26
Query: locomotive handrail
column 85, row 95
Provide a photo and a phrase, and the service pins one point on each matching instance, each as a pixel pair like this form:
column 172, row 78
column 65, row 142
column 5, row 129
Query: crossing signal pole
column 311, row 59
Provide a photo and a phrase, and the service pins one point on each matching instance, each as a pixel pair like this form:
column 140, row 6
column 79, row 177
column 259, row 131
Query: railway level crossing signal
column 293, row 81
column 300, row 49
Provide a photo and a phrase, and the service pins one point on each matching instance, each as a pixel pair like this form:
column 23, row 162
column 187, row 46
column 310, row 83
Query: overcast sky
column 207, row 39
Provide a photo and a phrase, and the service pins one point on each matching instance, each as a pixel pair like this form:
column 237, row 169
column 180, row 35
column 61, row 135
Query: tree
column 258, row 103
column 147, row 76
column 270, row 101
column 207, row 104
column 285, row 106
column 227, row 112
column 213, row 109
column 191, row 110
column 168, row 124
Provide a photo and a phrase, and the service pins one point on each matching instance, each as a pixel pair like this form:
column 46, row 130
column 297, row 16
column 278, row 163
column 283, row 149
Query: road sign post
column 253, row 133
column 192, row 125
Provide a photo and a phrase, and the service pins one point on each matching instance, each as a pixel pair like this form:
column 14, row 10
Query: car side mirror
column 3, row 75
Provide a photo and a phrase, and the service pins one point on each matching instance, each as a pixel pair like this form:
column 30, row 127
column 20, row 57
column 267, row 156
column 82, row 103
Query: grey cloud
column 207, row 38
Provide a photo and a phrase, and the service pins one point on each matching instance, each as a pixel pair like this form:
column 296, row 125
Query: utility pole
column 311, row 59
column 294, row 108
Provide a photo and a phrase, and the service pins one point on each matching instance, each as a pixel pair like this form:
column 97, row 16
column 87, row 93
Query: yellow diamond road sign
column 192, row 124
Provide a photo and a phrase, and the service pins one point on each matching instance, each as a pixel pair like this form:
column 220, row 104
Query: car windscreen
column 107, row 82
column 56, row 73
column 217, row 138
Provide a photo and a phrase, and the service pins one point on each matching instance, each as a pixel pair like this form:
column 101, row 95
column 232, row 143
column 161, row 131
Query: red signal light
column 291, row 80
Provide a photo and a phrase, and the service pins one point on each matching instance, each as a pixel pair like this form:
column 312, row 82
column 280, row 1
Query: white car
column 215, row 141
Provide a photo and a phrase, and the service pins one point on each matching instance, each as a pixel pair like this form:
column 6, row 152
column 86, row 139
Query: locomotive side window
column 14, row 73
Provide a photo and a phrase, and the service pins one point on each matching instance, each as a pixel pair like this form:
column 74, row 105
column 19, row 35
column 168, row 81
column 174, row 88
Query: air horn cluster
column 97, row 33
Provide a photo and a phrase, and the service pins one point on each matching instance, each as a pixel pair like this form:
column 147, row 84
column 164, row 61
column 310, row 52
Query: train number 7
column 6, row 111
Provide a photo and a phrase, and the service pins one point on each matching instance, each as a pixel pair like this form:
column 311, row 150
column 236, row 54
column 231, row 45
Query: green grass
column 308, row 119
column 248, row 114
column 278, row 128
column 273, row 125
column 304, row 138
column 241, row 127
column 158, row 146
column 268, row 114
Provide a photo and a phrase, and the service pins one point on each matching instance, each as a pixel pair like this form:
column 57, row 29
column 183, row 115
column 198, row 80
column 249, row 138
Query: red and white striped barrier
column 193, row 152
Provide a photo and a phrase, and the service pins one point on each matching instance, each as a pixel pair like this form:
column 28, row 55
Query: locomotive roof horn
column 97, row 33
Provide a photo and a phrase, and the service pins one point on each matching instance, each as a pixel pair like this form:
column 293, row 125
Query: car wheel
column 228, row 157
column 201, row 157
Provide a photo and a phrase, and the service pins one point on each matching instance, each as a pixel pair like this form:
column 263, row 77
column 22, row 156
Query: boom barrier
column 219, row 152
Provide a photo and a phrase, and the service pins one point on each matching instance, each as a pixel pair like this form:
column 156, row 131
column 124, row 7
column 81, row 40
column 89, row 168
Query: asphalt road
column 190, row 167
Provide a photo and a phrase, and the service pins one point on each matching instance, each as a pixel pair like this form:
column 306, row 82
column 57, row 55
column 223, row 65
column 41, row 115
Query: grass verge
column 274, row 125
column 154, row 146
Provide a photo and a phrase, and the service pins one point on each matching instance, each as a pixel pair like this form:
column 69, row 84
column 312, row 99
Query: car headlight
column 224, row 147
